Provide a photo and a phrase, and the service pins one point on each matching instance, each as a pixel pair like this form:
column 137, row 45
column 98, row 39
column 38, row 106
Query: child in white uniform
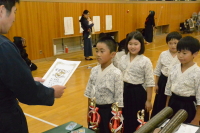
column 105, row 82
column 120, row 52
column 183, row 84
column 166, row 60
column 137, row 70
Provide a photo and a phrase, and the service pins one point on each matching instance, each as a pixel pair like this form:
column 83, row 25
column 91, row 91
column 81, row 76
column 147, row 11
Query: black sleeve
column 85, row 24
column 16, row 76
column 23, row 53
column 153, row 22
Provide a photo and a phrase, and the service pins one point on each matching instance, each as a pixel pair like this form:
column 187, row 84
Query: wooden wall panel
column 175, row 19
column 40, row 22
column 141, row 13
column 120, row 21
column 188, row 10
column 130, row 18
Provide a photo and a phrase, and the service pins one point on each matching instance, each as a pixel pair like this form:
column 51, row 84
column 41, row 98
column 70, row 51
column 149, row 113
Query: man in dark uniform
column 149, row 25
column 16, row 81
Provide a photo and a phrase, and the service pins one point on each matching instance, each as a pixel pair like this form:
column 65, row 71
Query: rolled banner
column 175, row 121
column 140, row 116
column 116, row 122
column 157, row 120
column 93, row 115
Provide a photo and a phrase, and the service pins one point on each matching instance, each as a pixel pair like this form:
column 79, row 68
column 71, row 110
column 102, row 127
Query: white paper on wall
column 68, row 25
column 108, row 22
column 96, row 21
column 81, row 29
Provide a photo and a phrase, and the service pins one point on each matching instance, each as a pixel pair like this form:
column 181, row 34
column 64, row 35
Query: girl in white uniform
column 137, row 71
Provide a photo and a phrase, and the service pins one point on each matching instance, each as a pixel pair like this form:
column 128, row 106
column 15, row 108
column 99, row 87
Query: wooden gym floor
column 72, row 106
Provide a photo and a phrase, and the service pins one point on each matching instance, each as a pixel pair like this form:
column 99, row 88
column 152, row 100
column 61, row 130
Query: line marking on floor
column 41, row 120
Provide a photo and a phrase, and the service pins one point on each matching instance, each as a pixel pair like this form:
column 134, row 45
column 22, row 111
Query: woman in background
column 87, row 28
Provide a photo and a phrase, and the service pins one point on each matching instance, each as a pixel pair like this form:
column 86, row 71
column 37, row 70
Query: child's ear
column 113, row 54
column 195, row 54
column 1, row 10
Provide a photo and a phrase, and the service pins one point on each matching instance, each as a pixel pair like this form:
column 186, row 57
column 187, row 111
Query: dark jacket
column 17, row 84
column 85, row 24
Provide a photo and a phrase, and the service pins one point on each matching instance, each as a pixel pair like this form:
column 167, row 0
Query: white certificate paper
column 108, row 22
column 68, row 25
column 60, row 72
column 184, row 128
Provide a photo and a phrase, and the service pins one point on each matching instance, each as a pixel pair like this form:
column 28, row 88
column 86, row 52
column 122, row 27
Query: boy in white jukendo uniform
column 105, row 82
column 183, row 84
column 137, row 70
column 166, row 60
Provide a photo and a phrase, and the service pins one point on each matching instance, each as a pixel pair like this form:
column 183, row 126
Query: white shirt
column 117, row 58
column 184, row 84
column 165, row 62
column 138, row 71
column 106, row 86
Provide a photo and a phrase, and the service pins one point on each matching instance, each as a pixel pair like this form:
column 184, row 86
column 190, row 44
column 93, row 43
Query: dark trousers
column 106, row 115
column 135, row 98
column 187, row 103
column 149, row 33
column 160, row 98
column 87, row 44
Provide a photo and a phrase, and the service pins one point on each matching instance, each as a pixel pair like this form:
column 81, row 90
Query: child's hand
column 156, row 89
column 148, row 106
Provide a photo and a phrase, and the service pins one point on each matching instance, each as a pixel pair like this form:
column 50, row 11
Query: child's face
column 185, row 56
column 172, row 44
column 88, row 19
column 134, row 46
column 23, row 42
column 103, row 53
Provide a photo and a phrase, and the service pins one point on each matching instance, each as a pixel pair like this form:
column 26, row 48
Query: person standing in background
column 86, row 34
column 21, row 45
column 149, row 25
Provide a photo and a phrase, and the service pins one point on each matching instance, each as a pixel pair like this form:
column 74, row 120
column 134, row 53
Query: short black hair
column 102, row 34
column 9, row 4
column 137, row 36
column 110, row 43
column 173, row 35
column 189, row 43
